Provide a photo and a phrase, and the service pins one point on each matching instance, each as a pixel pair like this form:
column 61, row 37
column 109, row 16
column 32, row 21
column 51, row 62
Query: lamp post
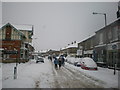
column 102, row 14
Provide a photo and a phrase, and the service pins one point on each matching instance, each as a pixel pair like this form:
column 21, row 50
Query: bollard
column 15, row 72
column 115, row 68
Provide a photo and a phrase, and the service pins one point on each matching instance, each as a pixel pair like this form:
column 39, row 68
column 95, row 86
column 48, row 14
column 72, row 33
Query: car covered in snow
column 88, row 64
column 39, row 59
column 77, row 62
column 70, row 59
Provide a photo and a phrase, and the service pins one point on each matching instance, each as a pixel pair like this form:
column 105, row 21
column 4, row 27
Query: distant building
column 86, row 47
column 71, row 49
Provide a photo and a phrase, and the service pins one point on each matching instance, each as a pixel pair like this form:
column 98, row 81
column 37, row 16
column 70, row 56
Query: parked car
column 77, row 62
column 88, row 64
column 39, row 59
column 70, row 60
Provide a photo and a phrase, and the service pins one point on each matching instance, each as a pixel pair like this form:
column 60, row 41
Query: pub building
column 13, row 42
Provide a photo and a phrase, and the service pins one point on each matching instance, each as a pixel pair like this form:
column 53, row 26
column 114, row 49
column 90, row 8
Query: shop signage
column 114, row 46
column 10, row 52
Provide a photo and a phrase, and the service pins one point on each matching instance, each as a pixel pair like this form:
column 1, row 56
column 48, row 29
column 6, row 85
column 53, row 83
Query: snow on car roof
column 89, row 62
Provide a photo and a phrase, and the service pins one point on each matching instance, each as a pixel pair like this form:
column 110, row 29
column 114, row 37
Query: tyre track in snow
column 88, row 81
column 55, row 74
column 66, row 78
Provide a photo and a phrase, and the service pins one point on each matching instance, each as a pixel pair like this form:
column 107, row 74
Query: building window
column 115, row 33
column 2, row 34
column 15, row 35
column 101, row 38
column 110, row 35
column 91, row 46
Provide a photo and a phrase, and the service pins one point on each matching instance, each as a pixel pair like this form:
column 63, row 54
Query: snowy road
column 44, row 75
column 68, row 78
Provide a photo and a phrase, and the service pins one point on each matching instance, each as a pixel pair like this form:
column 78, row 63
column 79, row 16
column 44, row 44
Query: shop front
column 100, row 56
column 113, row 58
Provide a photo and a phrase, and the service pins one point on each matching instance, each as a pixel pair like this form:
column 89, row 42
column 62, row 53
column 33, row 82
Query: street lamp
column 102, row 14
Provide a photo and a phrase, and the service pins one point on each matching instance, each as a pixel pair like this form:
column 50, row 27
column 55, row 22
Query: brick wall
column 12, row 45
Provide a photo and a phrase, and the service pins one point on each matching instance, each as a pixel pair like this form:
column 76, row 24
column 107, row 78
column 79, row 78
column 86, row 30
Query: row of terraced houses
column 104, row 46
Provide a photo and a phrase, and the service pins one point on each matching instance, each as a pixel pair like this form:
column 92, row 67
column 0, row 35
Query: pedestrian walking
column 63, row 60
column 60, row 62
column 51, row 58
column 56, row 63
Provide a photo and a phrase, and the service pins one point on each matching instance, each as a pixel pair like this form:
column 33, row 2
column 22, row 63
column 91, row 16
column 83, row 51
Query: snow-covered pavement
column 30, row 75
column 43, row 75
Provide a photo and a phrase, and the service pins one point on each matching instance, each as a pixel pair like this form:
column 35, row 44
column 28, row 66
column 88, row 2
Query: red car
column 88, row 64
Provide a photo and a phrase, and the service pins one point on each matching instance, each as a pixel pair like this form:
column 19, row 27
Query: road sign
column 114, row 46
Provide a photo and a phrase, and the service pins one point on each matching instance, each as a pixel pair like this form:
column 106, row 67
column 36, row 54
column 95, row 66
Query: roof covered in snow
column 43, row 51
column 24, row 27
column 20, row 26
column 74, row 45
column 90, row 36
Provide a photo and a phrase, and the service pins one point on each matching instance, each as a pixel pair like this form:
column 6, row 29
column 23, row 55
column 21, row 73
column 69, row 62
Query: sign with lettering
column 114, row 46
column 10, row 52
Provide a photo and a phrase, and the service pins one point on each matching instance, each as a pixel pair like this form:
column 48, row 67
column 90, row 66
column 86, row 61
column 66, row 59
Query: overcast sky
column 57, row 24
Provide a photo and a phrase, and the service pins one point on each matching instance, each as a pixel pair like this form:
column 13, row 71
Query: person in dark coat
column 63, row 61
column 56, row 63
column 60, row 62
column 51, row 58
